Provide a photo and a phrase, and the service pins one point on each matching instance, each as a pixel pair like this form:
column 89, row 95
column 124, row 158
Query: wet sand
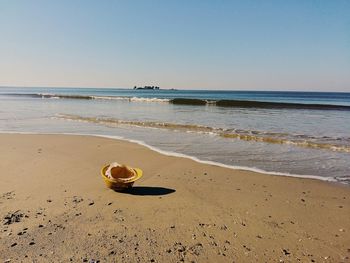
column 54, row 207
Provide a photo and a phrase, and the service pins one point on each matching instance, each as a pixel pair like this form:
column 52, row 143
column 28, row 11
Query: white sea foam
column 132, row 99
column 181, row 155
column 95, row 97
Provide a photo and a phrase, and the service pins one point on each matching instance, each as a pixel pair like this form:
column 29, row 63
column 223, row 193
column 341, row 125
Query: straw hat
column 120, row 177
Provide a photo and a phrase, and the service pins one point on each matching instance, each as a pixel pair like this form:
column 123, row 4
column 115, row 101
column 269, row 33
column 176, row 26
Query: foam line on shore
column 245, row 135
column 181, row 155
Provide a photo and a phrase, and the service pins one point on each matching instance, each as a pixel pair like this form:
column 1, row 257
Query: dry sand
column 54, row 207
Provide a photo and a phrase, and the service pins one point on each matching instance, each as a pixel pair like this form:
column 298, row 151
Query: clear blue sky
column 189, row 44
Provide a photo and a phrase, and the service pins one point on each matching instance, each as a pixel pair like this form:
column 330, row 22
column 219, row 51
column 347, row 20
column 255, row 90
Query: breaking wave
column 192, row 101
column 85, row 97
column 324, row 143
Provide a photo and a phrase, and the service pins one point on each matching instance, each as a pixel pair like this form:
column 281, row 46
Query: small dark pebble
column 303, row 200
column 224, row 227
column 41, row 226
column 91, row 203
column 247, row 248
column 286, row 252
column 109, row 203
column 49, row 200
column 32, row 243
column 14, row 244
column 172, row 227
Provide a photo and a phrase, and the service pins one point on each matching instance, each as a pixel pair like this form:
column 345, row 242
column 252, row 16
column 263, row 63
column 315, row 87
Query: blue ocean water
column 284, row 140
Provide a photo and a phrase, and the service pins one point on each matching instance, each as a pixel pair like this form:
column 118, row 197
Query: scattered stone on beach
column 247, row 248
column 21, row 233
column 224, row 227
column 8, row 195
column 77, row 199
column 14, row 244
column 31, row 243
column 179, row 247
column 14, row 217
column 286, row 252
column 196, row 249
column 49, row 200
column 91, row 203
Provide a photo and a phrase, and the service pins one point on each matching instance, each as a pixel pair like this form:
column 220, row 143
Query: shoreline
column 193, row 158
column 55, row 207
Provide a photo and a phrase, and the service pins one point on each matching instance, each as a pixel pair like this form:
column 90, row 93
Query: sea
column 301, row 134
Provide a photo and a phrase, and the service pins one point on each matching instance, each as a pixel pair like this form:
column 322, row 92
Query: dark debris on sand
column 14, row 217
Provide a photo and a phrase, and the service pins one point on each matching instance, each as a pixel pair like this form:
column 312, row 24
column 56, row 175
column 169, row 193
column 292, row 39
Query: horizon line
column 182, row 89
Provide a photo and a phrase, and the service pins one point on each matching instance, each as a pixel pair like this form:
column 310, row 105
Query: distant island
column 147, row 87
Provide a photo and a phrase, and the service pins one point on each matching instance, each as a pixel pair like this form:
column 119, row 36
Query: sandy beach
column 54, row 207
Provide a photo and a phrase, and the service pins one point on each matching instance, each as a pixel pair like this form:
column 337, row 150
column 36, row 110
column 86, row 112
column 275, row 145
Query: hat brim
column 137, row 175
